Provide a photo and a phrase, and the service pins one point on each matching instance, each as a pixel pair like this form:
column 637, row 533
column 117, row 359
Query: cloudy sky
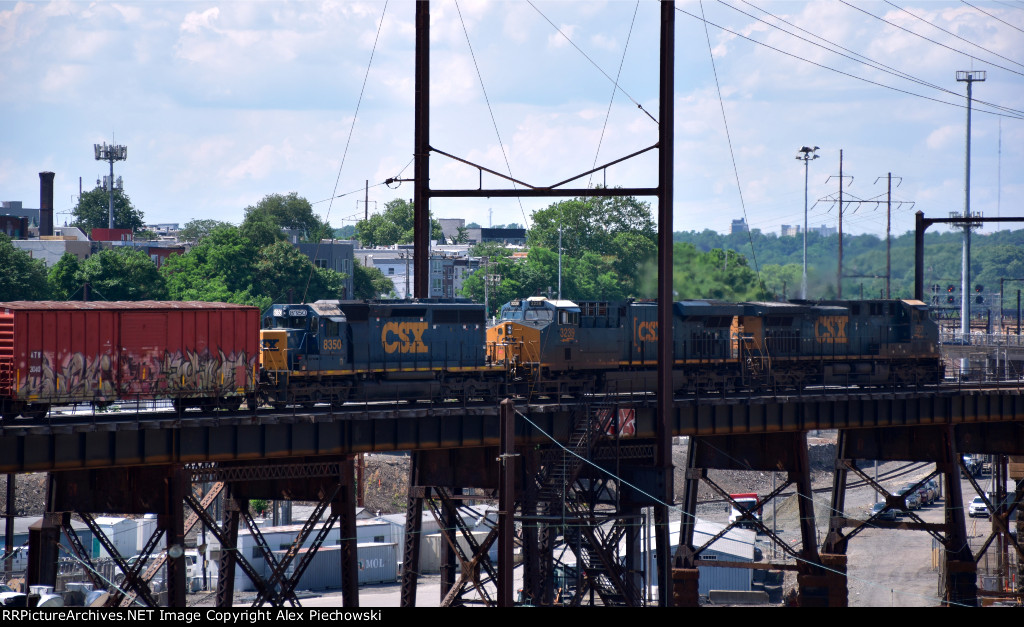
column 222, row 103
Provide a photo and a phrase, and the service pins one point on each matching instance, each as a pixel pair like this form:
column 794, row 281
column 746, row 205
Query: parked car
column 879, row 511
column 977, row 508
column 936, row 493
column 912, row 500
column 926, row 494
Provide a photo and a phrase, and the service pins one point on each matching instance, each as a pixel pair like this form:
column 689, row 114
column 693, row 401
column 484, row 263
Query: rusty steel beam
column 506, row 505
column 50, row 448
column 421, row 155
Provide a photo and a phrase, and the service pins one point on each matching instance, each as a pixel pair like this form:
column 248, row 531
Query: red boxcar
column 195, row 353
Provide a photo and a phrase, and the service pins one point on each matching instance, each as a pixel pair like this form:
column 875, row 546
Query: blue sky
column 221, row 103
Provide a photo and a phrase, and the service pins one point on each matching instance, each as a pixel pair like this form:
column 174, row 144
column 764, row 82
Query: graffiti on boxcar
column 76, row 377
column 79, row 378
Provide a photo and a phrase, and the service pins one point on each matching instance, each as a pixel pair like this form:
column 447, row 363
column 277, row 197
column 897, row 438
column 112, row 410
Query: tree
column 93, row 210
column 280, row 267
column 346, row 232
column 370, row 282
column 123, row 273
column 289, row 212
column 195, row 230
column 591, row 224
column 394, row 226
column 21, row 276
column 620, row 231
column 65, row 278
column 219, row 268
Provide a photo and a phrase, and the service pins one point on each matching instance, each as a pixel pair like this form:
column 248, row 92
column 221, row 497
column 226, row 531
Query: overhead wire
column 348, row 142
column 592, row 62
column 611, row 100
column 980, row 10
column 490, row 109
column 952, row 33
column 732, row 153
column 938, row 43
column 864, row 60
column 837, row 71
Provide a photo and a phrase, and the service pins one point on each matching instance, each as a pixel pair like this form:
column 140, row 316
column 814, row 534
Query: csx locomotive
column 211, row 355
column 337, row 351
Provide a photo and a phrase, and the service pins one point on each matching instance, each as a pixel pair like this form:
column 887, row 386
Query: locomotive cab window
column 331, row 327
column 541, row 315
column 569, row 317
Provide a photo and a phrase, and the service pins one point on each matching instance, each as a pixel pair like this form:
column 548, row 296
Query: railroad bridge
column 575, row 474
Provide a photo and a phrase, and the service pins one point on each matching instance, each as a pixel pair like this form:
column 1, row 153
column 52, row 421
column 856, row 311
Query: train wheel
column 36, row 411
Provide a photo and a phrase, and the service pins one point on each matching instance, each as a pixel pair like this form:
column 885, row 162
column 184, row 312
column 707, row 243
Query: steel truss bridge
column 569, row 474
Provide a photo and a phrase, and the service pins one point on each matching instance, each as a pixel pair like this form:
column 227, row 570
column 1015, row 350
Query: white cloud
column 561, row 39
column 197, row 22
column 942, row 137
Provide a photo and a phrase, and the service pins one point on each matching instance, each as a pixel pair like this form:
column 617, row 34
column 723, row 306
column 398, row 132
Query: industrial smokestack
column 45, row 203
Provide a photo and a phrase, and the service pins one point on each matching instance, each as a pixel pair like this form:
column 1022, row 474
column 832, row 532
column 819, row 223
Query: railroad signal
column 951, row 289
column 978, row 288
column 951, row 299
column 980, row 300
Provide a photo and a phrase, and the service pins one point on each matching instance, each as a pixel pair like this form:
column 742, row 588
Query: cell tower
column 111, row 154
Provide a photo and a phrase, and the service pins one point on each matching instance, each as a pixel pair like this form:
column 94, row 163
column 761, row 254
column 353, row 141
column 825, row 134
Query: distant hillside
column 994, row 256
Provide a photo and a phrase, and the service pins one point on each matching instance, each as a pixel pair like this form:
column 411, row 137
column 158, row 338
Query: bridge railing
column 957, row 338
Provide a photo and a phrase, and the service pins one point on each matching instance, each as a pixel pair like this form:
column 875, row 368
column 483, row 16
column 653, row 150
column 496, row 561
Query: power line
column 490, row 110
column 907, row 30
column 732, row 154
column 592, row 62
column 831, row 69
column 952, row 33
column 869, row 62
column 978, row 9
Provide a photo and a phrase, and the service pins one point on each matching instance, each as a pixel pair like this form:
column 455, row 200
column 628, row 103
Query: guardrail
column 981, row 339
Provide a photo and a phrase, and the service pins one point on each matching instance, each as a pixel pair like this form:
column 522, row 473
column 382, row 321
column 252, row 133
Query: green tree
column 21, row 276
column 280, row 267
column 195, row 230
column 65, row 278
column 591, row 224
column 93, row 210
column 346, row 232
column 394, row 226
column 123, row 273
column 218, row 268
column 291, row 212
column 370, row 282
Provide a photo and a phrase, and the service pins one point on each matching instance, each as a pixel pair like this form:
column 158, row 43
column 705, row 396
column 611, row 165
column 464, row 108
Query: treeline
column 251, row 264
column 994, row 256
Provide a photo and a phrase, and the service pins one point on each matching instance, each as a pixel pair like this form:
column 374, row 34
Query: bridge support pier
column 817, row 586
column 929, row 443
column 166, row 491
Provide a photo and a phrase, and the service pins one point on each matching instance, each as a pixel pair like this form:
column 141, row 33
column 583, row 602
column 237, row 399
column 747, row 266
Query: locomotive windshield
column 543, row 315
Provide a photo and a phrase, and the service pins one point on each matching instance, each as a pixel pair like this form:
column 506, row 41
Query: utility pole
column 806, row 157
column 839, row 272
column 888, row 230
column 965, row 303
column 839, row 277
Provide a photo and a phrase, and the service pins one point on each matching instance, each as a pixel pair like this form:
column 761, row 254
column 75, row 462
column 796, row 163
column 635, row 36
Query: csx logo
column 831, row 329
column 403, row 337
column 269, row 345
column 646, row 331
